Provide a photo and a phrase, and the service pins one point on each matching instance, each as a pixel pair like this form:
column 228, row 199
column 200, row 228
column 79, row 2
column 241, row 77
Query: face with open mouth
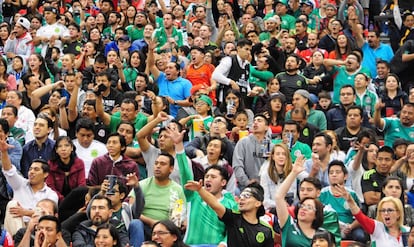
column 389, row 214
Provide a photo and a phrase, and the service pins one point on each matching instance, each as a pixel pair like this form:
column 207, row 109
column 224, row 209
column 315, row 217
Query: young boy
column 337, row 174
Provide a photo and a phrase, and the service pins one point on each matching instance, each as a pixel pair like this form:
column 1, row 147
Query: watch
column 175, row 102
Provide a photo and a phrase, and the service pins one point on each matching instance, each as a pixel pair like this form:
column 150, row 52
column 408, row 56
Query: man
column 111, row 97
column 272, row 25
column 26, row 236
column 307, row 8
column 288, row 21
column 73, row 45
column 307, row 130
column 218, row 129
column 26, row 192
column 373, row 50
column 129, row 112
column 347, row 134
column 372, row 180
column 100, row 210
column 378, row 82
column 15, row 153
column 233, row 71
column 302, row 99
column 317, row 166
column 164, row 198
column 205, row 34
column 301, row 35
column 312, row 46
column 290, row 137
column 112, row 163
column 165, row 144
column 39, row 148
column 350, row 228
column 87, row 148
column 290, row 81
column 200, row 73
column 246, row 220
column 343, row 72
column 125, row 212
column 168, row 37
column 394, row 128
column 142, row 43
column 49, row 232
column 113, row 23
column 137, row 30
column 250, row 152
column 204, row 15
column 100, row 65
column 364, row 97
column 328, row 42
column 336, row 116
column 19, row 42
column 170, row 83
column 52, row 31
column 9, row 112
column 204, row 226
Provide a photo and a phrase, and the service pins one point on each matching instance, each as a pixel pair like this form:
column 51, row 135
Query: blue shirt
column 31, row 151
column 178, row 89
column 383, row 52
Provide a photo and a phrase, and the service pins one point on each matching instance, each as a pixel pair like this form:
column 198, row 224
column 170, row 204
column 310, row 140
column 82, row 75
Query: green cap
column 206, row 99
column 284, row 2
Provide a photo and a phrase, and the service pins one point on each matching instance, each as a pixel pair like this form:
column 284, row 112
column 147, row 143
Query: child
column 240, row 122
column 203, row 106
column 399, row 147
column 325, row 102
column 18, row 70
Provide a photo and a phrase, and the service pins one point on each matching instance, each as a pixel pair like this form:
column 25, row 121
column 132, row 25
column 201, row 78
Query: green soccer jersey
column 204, row 227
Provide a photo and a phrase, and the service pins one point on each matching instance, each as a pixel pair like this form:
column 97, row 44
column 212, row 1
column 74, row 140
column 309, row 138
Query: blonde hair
column 271, row 171
column 397, row 204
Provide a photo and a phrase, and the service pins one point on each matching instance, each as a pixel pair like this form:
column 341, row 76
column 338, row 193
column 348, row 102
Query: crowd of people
column 206, row 123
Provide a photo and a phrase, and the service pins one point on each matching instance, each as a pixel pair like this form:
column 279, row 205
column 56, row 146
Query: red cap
column 197, row 87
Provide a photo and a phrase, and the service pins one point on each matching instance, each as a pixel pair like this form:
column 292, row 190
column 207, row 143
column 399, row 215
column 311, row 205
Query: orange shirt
column 202, row 76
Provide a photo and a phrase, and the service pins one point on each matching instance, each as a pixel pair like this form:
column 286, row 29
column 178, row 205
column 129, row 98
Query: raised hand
column 193, row 185
column 132, row 180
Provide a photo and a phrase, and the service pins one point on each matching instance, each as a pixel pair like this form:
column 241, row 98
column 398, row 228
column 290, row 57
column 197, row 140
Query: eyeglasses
column 159, row 233
column 387, row 210
column 307, row 207
column 245, row 195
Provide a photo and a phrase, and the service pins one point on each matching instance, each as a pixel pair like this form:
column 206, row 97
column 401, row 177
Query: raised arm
column 147, row 130
column 378, row 121
column 106, row 118
column 35, row 97
column 151, row 60
column 330, row 63
column 73, row 104
column 281, row 206
column 209, row 198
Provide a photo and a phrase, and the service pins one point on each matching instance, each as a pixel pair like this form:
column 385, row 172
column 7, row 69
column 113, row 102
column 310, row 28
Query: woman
column 233, row 102
column 136, row 64
column 309, row 212
column 87, row 56
column 275, row 112
column 342, row 48
column 37, row 67
column 4, row 35
column 95, row 36
column 272, row 87
column 387, row 228
column 67, row 171
column 130, row 14
column 273, row 172
column 6, row 78
column 51, row 113
column 250, row 26
column 18, row 71
column 166, row 234
column 405, row 168
column 89, row 24
column 100, row 21
column 216, row 149
column 107, row 236
column 393, row 186
column 336, row 153
column 315, row 71
column 393, row 96
column 323, row 238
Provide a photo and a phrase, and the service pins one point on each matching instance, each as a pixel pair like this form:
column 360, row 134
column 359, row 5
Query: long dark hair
column 223, row 104
column 43, row 69
column 142, row 63
column 55, row 156
column 174, row 230
column 4, row 62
